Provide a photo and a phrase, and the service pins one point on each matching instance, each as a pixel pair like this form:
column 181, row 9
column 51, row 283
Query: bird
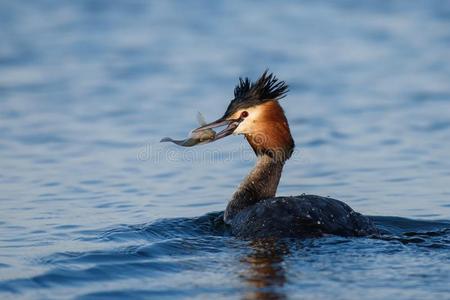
column 254, row 211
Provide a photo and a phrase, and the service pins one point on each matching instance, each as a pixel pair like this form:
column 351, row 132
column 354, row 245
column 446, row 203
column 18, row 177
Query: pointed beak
column 231, row 125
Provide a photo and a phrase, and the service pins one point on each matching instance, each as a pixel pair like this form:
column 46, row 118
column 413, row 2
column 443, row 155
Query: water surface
column 92, row 206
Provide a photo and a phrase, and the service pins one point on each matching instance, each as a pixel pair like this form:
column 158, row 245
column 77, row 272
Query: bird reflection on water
column 264, row 272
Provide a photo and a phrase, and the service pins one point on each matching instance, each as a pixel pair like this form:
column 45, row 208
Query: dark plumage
column 248, row 94
column 300, row 216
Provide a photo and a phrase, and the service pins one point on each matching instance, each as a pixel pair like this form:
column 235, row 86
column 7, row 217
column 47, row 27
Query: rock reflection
column 264, row 271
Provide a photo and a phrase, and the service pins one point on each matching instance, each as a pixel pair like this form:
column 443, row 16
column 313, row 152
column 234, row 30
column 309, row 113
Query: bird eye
column 244, row 114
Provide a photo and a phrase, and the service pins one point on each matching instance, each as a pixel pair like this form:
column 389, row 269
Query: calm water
column 92, row 206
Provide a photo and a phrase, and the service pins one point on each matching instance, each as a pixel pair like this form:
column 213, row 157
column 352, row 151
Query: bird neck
column 261, row 183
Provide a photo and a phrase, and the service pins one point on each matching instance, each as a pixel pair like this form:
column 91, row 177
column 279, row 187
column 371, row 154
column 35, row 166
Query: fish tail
column 166, row 139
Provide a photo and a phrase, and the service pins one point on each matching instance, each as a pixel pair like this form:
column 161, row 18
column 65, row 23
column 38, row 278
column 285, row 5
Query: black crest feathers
column 248, row 94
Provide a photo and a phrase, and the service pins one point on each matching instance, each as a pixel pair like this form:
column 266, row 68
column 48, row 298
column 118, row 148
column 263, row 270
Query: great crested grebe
column 253, row 210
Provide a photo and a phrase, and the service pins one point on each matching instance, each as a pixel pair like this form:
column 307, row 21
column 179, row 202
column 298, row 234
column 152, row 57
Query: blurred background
column 88, row 88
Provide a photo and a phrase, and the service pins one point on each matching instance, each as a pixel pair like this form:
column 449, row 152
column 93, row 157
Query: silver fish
column 195, row 138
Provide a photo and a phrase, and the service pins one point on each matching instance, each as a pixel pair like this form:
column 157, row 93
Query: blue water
column 92, row 206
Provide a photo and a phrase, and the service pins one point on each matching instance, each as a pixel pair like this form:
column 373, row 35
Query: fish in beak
column 230, row 126
column 195, row 137
column 205, row 133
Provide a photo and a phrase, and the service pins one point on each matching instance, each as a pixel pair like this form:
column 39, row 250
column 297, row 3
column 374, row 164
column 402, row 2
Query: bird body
column 300, row 216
